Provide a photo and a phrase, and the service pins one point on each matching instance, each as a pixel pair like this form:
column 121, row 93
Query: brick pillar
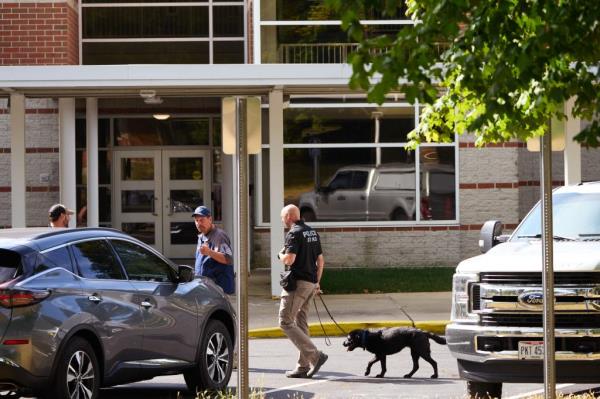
column 33, row 33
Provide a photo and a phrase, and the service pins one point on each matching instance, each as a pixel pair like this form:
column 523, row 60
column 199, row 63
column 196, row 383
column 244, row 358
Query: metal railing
column 324, row 53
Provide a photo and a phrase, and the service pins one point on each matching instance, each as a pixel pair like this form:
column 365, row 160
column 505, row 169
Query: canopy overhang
column 175, row 80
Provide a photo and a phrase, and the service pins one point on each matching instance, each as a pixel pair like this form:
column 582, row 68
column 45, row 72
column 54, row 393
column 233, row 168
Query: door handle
column 341, row 198
column 146, row 304
column 362, row 197
column 94, row 298
column 170, row 201
column 154, row 206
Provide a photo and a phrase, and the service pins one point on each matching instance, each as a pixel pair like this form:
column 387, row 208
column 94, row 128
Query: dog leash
column 327, row 340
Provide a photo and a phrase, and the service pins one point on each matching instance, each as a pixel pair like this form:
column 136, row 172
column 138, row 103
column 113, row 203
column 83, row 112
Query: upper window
column 169, row 32
column 141, row 264
column 308, row 32
column 95, row 259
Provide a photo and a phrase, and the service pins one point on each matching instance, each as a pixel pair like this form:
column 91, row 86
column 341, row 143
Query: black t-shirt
column 305, row 242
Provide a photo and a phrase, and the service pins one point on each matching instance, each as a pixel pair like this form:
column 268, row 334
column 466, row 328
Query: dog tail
column 436, row 338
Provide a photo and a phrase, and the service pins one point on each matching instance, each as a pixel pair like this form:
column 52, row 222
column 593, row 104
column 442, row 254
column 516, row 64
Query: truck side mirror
column 490, row 232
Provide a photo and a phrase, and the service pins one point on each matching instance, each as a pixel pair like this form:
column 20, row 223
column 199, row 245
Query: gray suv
column 85, row 308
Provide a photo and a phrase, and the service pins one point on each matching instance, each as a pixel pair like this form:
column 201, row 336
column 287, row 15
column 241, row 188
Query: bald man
column 303, row 255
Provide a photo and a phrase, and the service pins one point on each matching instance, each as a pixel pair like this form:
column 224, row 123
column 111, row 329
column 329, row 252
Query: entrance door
column 156, row 192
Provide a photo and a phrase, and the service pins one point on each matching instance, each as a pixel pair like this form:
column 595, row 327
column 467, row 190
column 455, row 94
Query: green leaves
column 508, row 66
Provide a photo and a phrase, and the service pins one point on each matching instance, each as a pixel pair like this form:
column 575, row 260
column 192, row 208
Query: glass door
column 185, row 186
column 137, row 199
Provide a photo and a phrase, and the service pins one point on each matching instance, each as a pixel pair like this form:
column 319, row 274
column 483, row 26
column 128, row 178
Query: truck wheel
column 399, row 214
column 308, row 215
column 484, row 390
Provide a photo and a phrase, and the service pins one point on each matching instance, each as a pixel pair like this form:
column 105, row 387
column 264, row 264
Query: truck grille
column 516, row 299
column 536, row 320
column 535, row 278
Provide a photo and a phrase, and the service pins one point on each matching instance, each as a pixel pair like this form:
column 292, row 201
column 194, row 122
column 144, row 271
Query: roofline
column 178, row 79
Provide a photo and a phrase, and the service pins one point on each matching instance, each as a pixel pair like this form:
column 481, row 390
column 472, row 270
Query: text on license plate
column 529, row 350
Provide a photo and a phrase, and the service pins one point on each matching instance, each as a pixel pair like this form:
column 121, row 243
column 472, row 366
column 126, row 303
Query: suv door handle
column 94, row 298
column 341, row 198
column 146, row 304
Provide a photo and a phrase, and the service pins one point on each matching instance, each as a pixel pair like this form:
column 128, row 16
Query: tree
column 500, row 69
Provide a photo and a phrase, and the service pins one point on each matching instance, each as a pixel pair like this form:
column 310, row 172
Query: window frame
column 358, row 101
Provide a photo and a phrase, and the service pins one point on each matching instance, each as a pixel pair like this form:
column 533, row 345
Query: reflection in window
column 149, row 132
column 134, row 201
column 141, row 264
column 185, row 201
column 95, row 260
column 183, row 233
column 142, row 231
column 438, row 188
column 338, row 184
column 137, row 169
column 185, row 168
column 56, row 258
column 368, row 175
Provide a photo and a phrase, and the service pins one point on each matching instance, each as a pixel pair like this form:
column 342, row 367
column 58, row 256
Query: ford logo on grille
column 531, row 299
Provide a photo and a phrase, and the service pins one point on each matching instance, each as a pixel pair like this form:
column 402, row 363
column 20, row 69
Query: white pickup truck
column 496, row 331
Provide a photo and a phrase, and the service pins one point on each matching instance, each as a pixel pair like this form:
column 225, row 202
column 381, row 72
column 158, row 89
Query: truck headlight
column 460, row 297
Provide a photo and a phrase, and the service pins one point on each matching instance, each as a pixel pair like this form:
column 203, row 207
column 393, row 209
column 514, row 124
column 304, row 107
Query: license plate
column 531, row 350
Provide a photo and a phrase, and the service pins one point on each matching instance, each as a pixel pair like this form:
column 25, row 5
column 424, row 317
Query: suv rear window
column 10, row 264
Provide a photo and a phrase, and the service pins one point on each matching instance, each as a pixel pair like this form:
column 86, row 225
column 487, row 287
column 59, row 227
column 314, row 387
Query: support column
column 67, row 164
column 572, row 150
column 276, row 184
column 17, row 160
column 228, row 193
column 91, row 128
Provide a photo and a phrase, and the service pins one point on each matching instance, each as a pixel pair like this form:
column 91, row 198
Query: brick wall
column 44, row 33
column 41, row 160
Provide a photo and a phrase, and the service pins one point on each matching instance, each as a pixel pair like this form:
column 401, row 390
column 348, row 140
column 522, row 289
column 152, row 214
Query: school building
column 114, row 108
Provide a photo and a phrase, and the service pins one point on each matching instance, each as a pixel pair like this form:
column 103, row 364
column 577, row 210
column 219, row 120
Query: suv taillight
column 12, row 298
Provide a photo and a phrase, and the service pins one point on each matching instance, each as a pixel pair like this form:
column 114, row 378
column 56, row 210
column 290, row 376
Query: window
column 96, row 260
column 308, row 32
column 141, row 264
column 162, row 32
column 59, row 257
column 347, row 162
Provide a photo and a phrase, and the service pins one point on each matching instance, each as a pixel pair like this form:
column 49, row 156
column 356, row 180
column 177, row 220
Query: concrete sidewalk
column 429, row 310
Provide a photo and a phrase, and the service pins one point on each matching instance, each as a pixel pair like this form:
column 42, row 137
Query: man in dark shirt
column 302, row 253
column 214, row 257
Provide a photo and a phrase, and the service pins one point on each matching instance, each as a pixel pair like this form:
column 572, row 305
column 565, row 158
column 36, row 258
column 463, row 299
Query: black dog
column 388, row 341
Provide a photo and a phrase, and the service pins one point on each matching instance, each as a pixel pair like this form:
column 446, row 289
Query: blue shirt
column 222, row 274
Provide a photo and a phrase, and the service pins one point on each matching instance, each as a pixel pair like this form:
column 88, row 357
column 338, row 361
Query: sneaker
column 296, row 373
column 315, row 368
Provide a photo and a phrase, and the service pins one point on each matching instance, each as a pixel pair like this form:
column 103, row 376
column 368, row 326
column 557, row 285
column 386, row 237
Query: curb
column 435, row 326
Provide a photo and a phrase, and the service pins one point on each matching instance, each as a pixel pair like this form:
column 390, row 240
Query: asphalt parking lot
column 340, row 378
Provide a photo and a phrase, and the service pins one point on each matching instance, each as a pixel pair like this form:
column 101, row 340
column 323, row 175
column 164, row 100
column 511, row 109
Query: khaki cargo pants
column 293, row 314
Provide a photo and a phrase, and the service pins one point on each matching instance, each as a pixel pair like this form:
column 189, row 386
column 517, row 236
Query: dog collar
column 363, row 339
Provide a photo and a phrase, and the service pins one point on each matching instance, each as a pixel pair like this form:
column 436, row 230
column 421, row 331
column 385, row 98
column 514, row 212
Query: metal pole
column 241, row 210
column 548, row 273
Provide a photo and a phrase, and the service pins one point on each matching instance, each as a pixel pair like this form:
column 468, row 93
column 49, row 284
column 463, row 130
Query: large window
column 347, row 163
column 163, row 32
column 307, row 32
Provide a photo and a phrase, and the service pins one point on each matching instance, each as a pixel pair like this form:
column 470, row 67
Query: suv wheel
column 77, row 373
column 483, row 390
column 213, row 370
